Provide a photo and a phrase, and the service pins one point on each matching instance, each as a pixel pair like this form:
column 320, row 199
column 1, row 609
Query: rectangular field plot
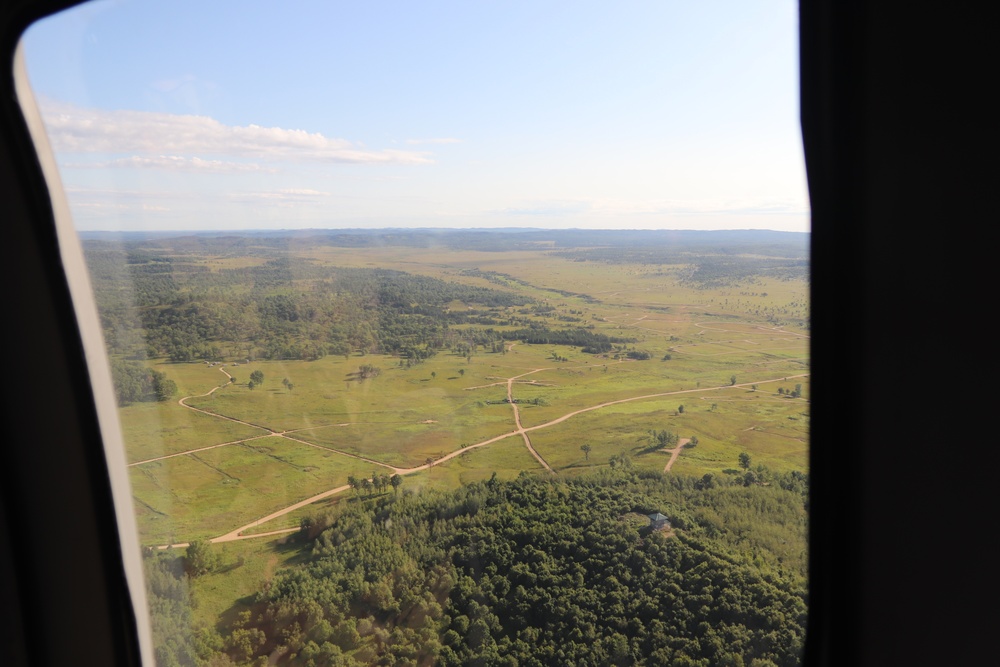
column 192, row 378
column 329, row 392
column 772, row 429
column 405, row 440
column 568, row 389
column 507, row 458
column 207, row 494
column 151, row 430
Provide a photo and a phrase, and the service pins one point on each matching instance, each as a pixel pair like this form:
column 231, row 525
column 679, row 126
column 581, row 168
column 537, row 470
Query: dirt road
column 236, row 534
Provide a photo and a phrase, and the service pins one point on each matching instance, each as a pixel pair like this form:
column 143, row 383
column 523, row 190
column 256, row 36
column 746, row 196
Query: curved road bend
column 235, row 534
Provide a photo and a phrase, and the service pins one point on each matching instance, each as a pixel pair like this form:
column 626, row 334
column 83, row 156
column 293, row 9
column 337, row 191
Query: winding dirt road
column 237, row 533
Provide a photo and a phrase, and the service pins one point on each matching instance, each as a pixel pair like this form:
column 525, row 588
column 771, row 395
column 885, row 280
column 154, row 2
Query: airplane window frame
column 69, row 256
column 855, row 610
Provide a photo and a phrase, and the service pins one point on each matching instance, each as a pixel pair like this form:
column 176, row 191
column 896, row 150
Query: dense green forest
column 535, row 571
column 155, row 304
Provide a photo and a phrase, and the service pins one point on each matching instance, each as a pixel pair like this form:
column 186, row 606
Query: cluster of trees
column 257, row 379
column 543, row 572
column 377, row 483
column 592, row 343
column 134, row 382
column 155, row 304
column 662, row 439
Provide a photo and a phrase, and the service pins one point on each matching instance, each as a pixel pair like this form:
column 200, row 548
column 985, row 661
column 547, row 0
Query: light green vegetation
column 774, row 429
column 507, row 458
column 152, row 430
column 399, row 418
column 201, row 495
column 246, row 566
column 753, row 328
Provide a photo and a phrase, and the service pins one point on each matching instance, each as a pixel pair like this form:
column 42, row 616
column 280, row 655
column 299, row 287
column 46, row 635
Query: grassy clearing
column 206, row 494
column 159, row 429
column 405, row 416
column 773, row 430
column 246, row 566
column 507, row 458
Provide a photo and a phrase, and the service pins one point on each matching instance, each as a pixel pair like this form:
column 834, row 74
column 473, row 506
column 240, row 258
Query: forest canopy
column 542, row 572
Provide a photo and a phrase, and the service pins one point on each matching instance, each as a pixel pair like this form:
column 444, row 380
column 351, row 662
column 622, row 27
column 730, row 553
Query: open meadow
column 313, row 365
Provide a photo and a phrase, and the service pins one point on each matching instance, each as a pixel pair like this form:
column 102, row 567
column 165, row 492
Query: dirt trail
column 236, row 534
column 215, row 414
column 675, row 452
column 200, row 449
column 517, row 421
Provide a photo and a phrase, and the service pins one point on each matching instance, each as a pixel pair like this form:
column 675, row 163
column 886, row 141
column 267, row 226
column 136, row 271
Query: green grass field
column 404, row 416
column 197, row 496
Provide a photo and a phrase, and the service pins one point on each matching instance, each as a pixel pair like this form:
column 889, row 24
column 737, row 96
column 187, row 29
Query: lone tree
column 586, row 451
column 200, row 558
column 257, row 377
column 251, row 384
column 745, row 461
column 732, row 379
column 680, row 409
column 662, row 439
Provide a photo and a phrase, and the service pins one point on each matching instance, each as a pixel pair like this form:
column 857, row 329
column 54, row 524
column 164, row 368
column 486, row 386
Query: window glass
column 446, row 332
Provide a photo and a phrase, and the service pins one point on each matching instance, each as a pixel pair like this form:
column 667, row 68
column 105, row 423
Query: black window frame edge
column 65, row 596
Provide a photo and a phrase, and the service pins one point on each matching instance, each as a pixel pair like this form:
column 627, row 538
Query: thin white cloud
column 441, row 140
column 289, row 195
column 75, row 129
column 617, row 207
column 174, row 163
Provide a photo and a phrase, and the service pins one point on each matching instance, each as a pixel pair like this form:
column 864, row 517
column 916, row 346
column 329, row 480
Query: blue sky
column 240, row 115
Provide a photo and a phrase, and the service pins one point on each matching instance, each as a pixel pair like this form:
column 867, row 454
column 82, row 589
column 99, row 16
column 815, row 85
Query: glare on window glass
column 449, row 333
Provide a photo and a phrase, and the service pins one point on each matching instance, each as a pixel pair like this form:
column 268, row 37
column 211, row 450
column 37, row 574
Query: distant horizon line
column 429, row 229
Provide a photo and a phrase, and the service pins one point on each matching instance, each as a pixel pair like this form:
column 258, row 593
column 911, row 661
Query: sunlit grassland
column 191, row 378
column 620, row 429
column 507, row 458
column 771, row 428
column 611, row 284
column 569, row 388
column 405, row 416
column 410, row 443
column 246, row 565
column 151, row 430
column 209, row 493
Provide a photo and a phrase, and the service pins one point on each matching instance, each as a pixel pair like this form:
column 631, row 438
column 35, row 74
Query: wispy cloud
column 174, row 163
column 441, row 140
column 690, row 207
column 299, row 194
column 548, row 209
column 75, row 129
